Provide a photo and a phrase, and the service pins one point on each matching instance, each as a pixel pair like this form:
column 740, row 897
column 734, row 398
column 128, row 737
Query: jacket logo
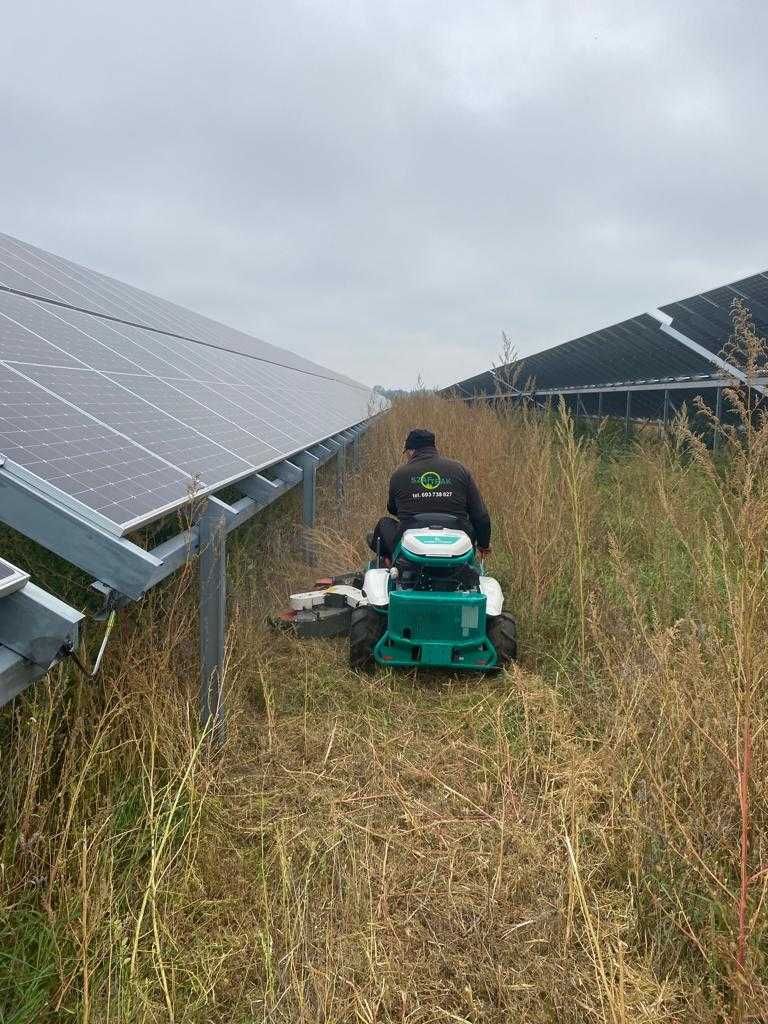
column 430, row 480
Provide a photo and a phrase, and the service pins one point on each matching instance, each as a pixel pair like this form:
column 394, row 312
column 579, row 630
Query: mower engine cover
column 436, row 543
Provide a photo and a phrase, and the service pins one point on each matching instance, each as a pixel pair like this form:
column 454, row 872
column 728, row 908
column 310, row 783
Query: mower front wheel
column 366, row 629
column 502, row 632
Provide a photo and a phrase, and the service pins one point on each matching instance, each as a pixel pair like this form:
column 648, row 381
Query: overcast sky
column 385, row 187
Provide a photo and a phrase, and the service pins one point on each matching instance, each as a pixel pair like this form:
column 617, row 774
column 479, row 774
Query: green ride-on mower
column 433, row 607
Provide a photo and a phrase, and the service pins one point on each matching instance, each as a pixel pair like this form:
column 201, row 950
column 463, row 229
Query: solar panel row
column 33, row 271
column 637, row 349
column 126, row 421
column 634, row 349
column 706, row 319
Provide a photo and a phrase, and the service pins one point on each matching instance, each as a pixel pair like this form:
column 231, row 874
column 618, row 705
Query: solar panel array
column 120, row 404
column 633, row 349
column 705, row 318
column 638, row 349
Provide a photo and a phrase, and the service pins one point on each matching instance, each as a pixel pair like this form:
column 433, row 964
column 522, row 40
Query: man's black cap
column 419, row 439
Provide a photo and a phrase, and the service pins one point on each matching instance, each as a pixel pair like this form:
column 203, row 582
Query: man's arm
column 478, row 513
column 392, row 499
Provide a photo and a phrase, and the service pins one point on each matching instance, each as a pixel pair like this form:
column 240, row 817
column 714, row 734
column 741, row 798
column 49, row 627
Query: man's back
column 430, row 482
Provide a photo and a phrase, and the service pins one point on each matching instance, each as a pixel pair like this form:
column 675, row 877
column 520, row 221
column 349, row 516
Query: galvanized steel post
column 308, row 503
column 718, row 417
column 341, row 467
column 666, row 408
column 213, row 610
column 627, row 413
column 600, row 404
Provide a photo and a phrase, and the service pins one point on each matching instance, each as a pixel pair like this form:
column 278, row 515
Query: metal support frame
column 308, row 463
column 36, row 630
column 119, row 563
column 259, row 491
column 543, row 396
column 668, row 383
column 600, row 404
column 122, row 569
column 665, row 419
column 341, row 472
column 718, row 417
column 627, row 414
column 213, row 613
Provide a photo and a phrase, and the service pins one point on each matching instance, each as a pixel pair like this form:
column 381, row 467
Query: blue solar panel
column 639, row 349
column 122, row 405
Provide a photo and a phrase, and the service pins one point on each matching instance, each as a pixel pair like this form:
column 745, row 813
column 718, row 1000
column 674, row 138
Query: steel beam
column 287, row 471
column 261, row 489
column 36, row 624
column 322, row 452
column 213, row 601
column 600, row 404
column 16, row 674
column 231, row 513
column 341, row 469
column 308, row 463
column 35, row 627
column 718, row 417
column 671, row 383
column 120, row 564
column 627, row 413
column 36, row 630
column 259, row 493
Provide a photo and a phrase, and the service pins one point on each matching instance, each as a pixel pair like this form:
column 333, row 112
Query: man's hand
column 483, row 552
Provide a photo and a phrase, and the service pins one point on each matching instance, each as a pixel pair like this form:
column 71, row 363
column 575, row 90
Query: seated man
column 428, row 482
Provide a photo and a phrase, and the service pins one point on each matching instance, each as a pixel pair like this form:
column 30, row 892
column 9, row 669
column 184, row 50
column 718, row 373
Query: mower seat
column 436, row 519
column 435, row 542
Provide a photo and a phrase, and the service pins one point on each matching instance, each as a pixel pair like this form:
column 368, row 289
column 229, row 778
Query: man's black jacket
column 431, row 483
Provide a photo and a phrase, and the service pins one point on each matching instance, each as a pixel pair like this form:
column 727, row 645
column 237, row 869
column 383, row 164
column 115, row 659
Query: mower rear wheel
column 502, row 632
column 366, row 629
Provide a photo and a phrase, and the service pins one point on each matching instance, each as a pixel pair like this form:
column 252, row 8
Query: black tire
column 366, row 629
column 502, row 632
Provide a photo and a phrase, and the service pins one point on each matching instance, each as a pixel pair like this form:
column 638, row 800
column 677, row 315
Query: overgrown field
column 582, row 839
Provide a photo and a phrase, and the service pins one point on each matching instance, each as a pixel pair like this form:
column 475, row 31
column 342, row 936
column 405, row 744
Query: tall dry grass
column 582, row 839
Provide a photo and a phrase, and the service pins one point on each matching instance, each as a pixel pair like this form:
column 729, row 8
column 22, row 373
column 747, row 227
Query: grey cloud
column 385, row 187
